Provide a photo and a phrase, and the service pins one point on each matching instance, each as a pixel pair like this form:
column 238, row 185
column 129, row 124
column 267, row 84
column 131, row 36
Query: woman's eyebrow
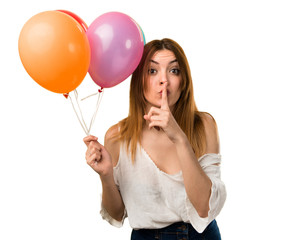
column 169, row 62
column 154, row 61
column 173, row 61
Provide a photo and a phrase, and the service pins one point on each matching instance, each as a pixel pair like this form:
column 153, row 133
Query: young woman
column 160, row 166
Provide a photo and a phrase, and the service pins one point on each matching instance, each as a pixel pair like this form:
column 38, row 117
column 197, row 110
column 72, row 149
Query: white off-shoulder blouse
column 154, row 199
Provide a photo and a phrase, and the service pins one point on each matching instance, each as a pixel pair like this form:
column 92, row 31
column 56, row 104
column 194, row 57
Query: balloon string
column 77, row 101
column 86, row 131
column 97, row 107
column 89, row 96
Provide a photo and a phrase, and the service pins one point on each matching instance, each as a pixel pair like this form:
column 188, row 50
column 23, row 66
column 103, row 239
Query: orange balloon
column 55, row 51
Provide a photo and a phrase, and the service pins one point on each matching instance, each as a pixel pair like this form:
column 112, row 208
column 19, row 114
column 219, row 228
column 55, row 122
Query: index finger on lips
column 164, row 99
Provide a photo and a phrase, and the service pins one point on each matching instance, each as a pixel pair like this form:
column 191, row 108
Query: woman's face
column 163, row 67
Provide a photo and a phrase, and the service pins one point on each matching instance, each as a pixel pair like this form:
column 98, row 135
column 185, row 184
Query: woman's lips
column 168, row 92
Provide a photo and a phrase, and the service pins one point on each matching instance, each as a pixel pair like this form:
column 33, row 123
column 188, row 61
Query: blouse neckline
column 158, row 169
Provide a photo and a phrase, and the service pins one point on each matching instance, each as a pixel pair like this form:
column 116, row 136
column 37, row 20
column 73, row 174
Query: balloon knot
column 66, row 95
column 100, row 90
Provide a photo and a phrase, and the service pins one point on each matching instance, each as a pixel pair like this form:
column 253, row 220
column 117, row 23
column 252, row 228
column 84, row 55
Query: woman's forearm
column 197, row 183
column 111, row 199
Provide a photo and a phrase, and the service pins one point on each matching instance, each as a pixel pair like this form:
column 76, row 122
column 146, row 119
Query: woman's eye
column 175, row 71
column 151, row 71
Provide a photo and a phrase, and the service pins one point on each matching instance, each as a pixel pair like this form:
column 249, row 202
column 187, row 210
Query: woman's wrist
column 181, row 139
column 183, row 145
column 107, row 179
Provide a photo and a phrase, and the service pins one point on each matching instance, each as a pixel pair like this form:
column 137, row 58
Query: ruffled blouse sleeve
column 105, row 215
column 210, row 164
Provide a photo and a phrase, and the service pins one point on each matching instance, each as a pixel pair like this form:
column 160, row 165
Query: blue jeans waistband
column 179, row 230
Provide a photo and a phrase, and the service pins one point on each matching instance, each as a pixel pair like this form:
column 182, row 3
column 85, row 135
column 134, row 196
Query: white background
column 47, row 191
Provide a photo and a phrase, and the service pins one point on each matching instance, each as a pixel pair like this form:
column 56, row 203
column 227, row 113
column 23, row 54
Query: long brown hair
column 185, row 111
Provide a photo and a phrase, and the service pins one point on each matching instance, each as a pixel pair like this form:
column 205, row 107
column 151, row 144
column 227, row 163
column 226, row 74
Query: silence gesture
column 164, row 119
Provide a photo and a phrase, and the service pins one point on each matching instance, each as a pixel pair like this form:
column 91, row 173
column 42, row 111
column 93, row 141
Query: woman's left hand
column 163, row 118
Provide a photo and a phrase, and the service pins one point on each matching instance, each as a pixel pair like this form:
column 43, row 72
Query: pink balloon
column 116, row 48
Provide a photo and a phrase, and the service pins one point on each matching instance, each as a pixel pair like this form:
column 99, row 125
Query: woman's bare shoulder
column 112, row 144
column 211, row 131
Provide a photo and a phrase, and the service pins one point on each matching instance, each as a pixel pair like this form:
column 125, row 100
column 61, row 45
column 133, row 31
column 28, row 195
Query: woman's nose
column 163, row 79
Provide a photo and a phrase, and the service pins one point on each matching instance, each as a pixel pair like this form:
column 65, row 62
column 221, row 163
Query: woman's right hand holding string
column 98, row 158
